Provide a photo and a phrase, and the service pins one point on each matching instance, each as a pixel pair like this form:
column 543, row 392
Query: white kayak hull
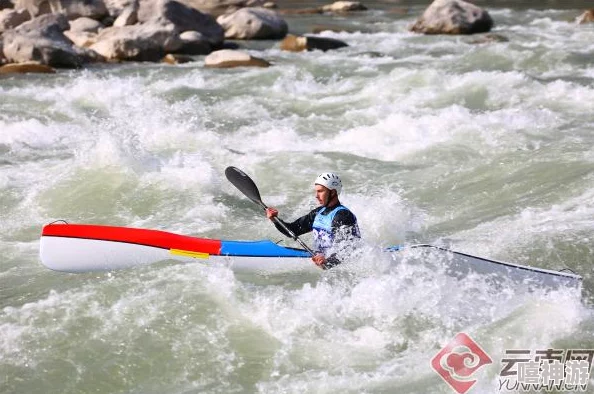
column 88, row 255
column 90, row 248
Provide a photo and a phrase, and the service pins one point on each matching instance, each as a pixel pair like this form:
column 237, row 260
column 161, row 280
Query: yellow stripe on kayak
column 189, row 253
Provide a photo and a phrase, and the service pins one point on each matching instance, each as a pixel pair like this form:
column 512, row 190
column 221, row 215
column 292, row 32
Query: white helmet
column 329, row 180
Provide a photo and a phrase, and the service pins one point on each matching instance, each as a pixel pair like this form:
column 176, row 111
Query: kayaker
column 332, row 223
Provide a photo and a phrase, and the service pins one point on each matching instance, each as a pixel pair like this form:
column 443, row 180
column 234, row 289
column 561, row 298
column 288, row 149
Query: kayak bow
column 87, row 248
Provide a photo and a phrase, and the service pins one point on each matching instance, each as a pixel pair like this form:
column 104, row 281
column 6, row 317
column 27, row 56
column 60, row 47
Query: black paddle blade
column 244, row 183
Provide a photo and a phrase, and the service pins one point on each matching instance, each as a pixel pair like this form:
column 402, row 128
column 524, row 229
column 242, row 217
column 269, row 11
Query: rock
column 453, row 17
column 107, row 21
column 230, row 45
column 129, row 16
column 253, row 23
column 73, row 9
column 176, row 59
column 146, row 42
column 167, row 26
column 294, row 43
column 193, row 43
column 181, row 18
column 301, row 11
column 42, row 40
column 35, row 7
column 86, row 25
column 586, row 17
column 9, row 19
column 4, row 4
column 227, row 58
column 220, row 7
column 26, row 68
column 297, row 44
column 116, row 7
column 344, row 6
column 81, row 39
column 323, row 43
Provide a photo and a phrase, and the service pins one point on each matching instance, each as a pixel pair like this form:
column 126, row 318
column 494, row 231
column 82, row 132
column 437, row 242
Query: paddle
column 244, row 183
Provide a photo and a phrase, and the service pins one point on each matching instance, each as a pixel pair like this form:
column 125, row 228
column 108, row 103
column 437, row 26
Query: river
column 483, row 148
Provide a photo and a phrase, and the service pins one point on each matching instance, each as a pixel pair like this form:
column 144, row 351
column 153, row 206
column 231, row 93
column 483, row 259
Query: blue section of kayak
column 266, row 248
column 263, row 248
column 394, row 248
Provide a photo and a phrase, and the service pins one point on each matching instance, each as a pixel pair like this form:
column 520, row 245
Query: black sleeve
column 300, row 226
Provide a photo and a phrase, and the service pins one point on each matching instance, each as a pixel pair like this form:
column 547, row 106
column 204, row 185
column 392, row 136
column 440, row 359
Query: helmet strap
column 330, row 197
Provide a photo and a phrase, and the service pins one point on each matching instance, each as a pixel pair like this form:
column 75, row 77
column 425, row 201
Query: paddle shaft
column 288, row 230
column 246, row 185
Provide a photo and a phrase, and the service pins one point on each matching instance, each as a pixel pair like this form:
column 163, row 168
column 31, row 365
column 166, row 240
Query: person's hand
column 271, row 213
column 319, row 260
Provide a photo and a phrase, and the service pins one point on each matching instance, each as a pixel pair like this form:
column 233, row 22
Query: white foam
column 572, row 218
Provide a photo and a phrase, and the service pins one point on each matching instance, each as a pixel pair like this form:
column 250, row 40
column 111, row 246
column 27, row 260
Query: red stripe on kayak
column 156, row 238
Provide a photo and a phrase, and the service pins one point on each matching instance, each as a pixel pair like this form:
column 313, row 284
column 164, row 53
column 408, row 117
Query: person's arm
column 299, row 227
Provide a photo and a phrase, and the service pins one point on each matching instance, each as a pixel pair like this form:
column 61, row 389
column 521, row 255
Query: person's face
column 322, row 194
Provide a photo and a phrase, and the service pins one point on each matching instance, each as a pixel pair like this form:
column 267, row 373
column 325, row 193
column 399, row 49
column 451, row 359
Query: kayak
column 88, row 248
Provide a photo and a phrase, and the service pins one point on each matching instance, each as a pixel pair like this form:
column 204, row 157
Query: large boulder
column 86, row 25
column 310, row 43
column 181, row 18
column 82, row 39
column 228, row 58
column 146, row 42
column 9, row 19
column 193, row 43
column 453, row 17
column 253, row 23
column 219, row 7
column 166, row 26
column 42, row 40
column 128, row 16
